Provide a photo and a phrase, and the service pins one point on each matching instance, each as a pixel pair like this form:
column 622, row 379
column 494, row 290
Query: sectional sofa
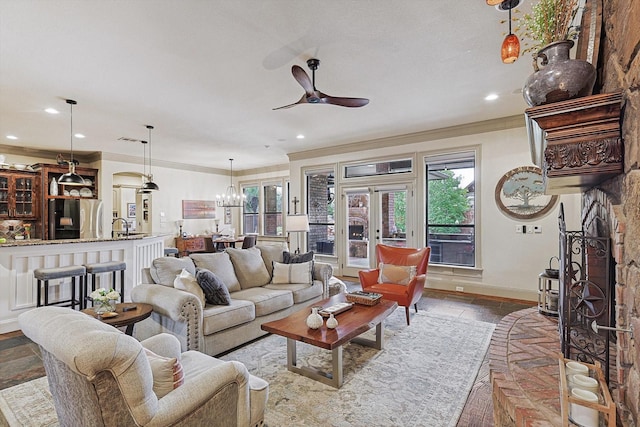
column 248, row 274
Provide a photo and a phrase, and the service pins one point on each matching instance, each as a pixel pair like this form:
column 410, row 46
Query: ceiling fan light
column 510, row 49
column 493, row 2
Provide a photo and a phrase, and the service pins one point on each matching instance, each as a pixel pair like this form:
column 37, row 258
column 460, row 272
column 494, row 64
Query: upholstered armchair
column 403, row 272
column 99, row 376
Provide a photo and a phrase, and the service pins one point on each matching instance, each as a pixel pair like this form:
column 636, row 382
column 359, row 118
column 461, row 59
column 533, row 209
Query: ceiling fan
column 314, row 96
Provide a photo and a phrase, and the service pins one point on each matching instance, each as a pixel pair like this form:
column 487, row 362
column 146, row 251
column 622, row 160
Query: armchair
column 99, row 376
column 404, row 294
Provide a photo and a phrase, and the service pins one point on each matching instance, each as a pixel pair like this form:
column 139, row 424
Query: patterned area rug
column 421, row 378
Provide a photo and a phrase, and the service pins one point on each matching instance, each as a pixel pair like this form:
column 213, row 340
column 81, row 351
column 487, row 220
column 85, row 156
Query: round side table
column 127, row 314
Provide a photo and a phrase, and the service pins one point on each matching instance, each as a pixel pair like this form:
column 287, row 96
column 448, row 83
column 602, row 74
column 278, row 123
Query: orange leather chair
column 404, row 295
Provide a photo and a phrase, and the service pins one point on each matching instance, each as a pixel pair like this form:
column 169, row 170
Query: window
column 272, row 210
column 321, row 211
column 386, row 167
column 450, row 208
column 250, row 213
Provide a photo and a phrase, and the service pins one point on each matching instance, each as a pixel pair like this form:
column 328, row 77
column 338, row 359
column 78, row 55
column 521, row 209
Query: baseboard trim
column 471, row 287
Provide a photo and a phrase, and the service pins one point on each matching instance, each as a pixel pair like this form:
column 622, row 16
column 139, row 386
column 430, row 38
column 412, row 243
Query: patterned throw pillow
column 187, row 282
column 166, row 371
column 289, row 258
column 292, row 273
column 215, row 291
column 398, row 274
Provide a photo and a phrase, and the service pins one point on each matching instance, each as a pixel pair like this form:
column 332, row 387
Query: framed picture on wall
column 520, row 194
column 227, row 215
column 131, row 210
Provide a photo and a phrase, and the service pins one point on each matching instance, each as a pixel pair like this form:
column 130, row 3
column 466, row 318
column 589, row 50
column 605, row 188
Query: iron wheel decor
column 520, row 194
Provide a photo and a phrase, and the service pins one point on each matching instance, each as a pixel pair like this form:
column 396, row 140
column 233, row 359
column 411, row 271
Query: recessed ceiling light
column 300, row 136
column 51, row 111
column 12, row 137
column 79, row 135
column 491, row 97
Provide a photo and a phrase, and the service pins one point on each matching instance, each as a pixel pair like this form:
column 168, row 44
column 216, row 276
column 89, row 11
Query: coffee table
column 125, row 318
column 351, row 324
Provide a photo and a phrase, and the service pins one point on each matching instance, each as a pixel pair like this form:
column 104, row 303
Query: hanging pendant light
column 141, row 190
column 231, row 198
column 71, row 177
column 149, row 185
column 511, row 45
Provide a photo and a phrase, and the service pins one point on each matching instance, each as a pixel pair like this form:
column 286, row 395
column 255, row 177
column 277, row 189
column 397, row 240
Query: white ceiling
column 207, row 73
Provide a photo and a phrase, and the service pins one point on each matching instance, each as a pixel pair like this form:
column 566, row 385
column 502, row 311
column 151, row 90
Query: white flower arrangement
column 103, row 295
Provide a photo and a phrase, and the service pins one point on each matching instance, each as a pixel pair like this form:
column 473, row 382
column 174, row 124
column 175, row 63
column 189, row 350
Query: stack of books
column 366, row 298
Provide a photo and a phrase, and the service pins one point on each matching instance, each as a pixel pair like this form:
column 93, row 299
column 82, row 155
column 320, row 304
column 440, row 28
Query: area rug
column 421, row 378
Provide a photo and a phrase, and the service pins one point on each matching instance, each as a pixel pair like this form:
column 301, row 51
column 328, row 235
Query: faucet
column 126, row 226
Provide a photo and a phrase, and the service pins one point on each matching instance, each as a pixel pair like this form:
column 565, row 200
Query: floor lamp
column 298, row 223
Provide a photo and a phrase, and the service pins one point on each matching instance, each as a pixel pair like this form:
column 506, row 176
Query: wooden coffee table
column 351, row 323
column 125, row 318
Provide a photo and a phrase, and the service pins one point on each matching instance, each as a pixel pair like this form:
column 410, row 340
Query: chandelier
column 231, row 198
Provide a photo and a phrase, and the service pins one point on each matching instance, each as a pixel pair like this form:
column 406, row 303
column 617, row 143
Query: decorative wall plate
column 520, row 194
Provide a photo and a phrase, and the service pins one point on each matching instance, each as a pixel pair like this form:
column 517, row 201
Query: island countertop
column 40, row 242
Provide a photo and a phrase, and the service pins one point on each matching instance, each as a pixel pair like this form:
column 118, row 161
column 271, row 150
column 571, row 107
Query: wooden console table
column 187, row 245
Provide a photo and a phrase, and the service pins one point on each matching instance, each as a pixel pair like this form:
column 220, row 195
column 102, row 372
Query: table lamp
column 298, row 223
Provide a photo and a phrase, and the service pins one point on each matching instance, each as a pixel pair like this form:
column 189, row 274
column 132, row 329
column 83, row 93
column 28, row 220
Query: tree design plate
column 520, row 194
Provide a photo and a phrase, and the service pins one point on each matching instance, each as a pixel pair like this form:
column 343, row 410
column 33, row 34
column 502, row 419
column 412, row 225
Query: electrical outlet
column 459, row 288
column 519, row 229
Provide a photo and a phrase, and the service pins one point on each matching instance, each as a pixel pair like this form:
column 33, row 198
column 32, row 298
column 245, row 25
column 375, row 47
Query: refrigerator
column 75, row 219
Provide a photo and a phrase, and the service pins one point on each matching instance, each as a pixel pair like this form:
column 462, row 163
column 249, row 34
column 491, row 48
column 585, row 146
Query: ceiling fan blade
column 303, row 78
column 302, row 100
column 343, row 102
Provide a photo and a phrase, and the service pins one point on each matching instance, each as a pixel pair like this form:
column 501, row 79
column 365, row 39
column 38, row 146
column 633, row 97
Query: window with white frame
column 321, row 211
column 451, row 208
column 262, row 210
column 251, row 210
column 272, row 209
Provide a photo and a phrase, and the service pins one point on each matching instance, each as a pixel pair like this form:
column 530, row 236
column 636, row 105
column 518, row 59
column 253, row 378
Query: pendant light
column 231, row 198
column 149, row 185
column 511, row 45
column 141, row 190
column 71, row 177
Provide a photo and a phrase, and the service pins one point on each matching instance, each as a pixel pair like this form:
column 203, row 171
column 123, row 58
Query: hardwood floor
column 20, row 359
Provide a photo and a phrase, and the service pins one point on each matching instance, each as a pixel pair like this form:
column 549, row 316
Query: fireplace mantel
column 577, row 143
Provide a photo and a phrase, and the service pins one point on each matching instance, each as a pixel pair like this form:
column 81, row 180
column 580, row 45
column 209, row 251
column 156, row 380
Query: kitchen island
column 18, row 259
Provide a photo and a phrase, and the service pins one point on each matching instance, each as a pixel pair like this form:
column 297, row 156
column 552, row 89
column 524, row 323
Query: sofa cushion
column 167, row 373
column 185, row 281
column 271, row 253
column 266, row 301
column 213, row 288
column 216, row 318
column 301, row 291
column 220, row 264
column 249, row 267
column 165, row 269
column 293, row 273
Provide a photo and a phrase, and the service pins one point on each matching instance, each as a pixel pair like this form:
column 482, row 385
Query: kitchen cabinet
column 19, row 195
column 49, row 172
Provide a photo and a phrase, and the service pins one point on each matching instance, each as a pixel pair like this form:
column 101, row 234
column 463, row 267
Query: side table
column 125, row 318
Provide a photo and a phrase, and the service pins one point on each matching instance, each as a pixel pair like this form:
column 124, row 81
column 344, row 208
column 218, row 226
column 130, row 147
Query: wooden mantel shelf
column 577, row 143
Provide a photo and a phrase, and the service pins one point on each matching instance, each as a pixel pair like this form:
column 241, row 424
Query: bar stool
column 171, row 252
column 72, row 271
column 104, row 267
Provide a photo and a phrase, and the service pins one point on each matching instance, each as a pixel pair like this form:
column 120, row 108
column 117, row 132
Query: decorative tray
column 365, row 298
column 335, row 309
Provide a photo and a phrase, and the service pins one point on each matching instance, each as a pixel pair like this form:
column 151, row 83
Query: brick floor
column 523, row 363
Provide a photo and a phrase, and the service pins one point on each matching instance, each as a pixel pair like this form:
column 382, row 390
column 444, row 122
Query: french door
column 378, row 214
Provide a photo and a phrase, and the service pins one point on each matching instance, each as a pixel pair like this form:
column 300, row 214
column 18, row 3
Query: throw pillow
column 398, row 274
column 166, row 371
column 221, row 265
column 249, row 267
column 187, row 282
column 164, row 269
column 293, row 273
column 290, row 258
column 214, row 289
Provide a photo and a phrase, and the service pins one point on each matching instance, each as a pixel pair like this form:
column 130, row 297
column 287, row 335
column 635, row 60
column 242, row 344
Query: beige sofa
column 99, row 376
column 247, row 274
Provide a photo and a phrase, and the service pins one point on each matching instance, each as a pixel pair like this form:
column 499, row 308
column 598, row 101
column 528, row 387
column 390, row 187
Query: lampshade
column 65, row 220
column 298, row 222
column 510, row 49
column 231, row 197
column 71, row 177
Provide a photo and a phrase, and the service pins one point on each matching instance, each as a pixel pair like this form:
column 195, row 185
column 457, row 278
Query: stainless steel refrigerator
column 75, row 219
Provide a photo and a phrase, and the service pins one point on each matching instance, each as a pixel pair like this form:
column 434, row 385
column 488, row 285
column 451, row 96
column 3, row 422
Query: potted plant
column 550, row 30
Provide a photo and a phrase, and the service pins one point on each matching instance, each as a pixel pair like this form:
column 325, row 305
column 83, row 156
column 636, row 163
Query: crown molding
column 503, row 123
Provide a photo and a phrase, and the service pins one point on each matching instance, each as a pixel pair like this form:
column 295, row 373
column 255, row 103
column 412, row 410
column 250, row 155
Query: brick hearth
column 523, row 363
